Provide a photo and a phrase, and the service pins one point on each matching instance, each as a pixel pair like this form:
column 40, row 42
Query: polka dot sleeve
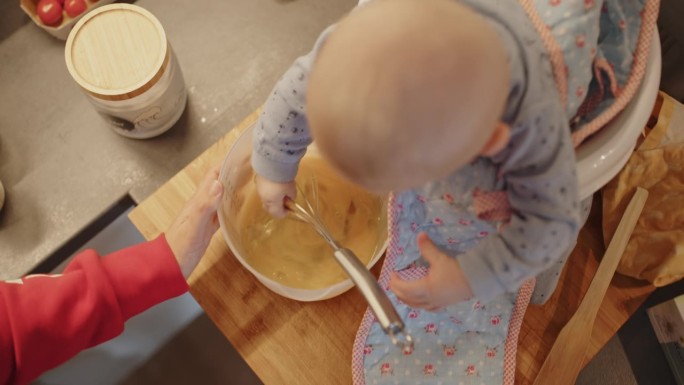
column 538, row 169
column 281, row 135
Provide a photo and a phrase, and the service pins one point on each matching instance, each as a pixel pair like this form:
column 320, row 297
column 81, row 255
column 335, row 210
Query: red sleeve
column 45, row 320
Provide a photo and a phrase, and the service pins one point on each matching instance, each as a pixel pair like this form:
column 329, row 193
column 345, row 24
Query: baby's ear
column 498, row 140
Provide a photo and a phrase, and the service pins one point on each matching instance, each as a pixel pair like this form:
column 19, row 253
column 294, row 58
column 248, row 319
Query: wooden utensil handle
column 565, row 359
column 599, row 284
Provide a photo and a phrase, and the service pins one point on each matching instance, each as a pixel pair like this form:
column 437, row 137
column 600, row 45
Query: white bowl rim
column 605, row 153
column 303, row 295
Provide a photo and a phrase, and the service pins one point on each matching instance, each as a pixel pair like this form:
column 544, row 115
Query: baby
column 452, row 108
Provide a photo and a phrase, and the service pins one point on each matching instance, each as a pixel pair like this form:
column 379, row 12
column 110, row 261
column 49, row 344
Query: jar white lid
column 117, row 51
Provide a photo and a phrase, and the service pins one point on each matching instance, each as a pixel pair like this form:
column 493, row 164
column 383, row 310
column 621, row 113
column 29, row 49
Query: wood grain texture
column 563, row 363
column 542, row 324
column 118, row 47
column 287, row 342
column 284, row 341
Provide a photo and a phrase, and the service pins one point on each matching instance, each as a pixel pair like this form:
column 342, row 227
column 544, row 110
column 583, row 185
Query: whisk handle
column 378, row 301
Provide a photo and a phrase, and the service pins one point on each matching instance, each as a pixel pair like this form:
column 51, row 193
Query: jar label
column 117, row 122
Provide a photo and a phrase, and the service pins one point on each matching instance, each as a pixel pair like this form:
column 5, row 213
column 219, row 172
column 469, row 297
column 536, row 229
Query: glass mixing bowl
column 237, row 174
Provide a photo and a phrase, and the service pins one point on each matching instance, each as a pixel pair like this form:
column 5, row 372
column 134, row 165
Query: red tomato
column 74, row 8
column 49, row 12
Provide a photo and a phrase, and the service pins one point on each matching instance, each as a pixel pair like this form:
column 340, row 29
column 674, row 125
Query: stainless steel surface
column 383, row 309
column 365, row 282
column 306, row 213
column 62, row 166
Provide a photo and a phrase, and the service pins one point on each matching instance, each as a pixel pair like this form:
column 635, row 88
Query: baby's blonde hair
column 406, row 91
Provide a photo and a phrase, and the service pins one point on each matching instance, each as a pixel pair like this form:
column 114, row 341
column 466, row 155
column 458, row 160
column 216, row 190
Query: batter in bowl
column 291, row 252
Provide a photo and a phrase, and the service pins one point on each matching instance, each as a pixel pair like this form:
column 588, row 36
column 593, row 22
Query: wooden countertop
column 288, row 342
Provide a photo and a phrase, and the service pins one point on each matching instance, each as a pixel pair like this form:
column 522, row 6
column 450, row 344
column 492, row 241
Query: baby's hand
column 444, row 284
column 273, row 195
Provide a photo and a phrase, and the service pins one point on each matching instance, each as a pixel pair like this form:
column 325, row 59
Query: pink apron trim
column 514, row 325
column 602, row 65
column 518, row 312
column 648, row 22
column 553, row 48
column 492, row 205
column 358, row 350
column 594, row 99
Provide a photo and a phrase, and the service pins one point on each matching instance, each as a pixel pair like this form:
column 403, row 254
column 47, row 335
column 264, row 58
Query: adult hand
column 191, row 232
column 445, row 284
column 273, row 195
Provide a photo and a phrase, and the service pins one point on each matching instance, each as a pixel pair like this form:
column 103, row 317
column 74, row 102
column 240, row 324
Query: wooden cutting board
column 288, row 342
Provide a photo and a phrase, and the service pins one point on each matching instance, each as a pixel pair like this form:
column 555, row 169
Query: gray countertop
column 62, row 167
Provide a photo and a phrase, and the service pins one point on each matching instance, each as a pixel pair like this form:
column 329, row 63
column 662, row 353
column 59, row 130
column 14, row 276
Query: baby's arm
column 539, row 171
column 281, row 135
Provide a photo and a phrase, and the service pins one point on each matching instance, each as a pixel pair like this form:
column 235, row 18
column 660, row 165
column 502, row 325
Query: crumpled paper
column 655, row 251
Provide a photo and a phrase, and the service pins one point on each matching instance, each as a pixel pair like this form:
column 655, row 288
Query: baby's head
column 407, row 91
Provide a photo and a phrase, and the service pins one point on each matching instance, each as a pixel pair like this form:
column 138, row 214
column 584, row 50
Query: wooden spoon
column 565, row 359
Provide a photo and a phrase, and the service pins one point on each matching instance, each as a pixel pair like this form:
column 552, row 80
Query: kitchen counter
column 290, row 342
column 63, row 168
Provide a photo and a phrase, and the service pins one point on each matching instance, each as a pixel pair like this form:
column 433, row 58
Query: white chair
column 604, row 154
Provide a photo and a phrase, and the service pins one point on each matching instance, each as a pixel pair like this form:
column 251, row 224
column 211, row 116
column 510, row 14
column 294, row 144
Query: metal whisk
column 378, row 301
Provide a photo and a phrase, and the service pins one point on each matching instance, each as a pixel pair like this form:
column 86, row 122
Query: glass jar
column 120, row 57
